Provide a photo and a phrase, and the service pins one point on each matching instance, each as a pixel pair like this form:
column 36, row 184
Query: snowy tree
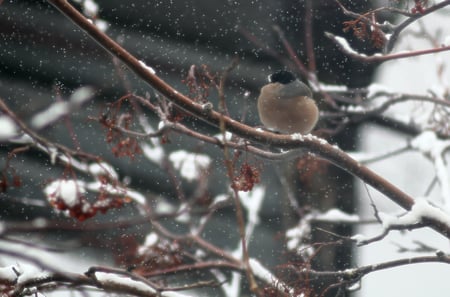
column 141, row 182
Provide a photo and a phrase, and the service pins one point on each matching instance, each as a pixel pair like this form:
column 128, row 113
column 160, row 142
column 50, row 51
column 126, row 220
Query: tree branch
column 399, row 28
column 379, row 58
column 308, row 142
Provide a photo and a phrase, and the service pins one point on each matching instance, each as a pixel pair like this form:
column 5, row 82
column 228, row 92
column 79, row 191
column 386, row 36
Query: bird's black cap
column 282, row 76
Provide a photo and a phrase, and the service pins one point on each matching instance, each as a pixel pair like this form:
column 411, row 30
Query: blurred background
column 44, row 57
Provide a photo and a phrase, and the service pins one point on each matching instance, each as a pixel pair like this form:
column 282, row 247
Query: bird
column 286, row 104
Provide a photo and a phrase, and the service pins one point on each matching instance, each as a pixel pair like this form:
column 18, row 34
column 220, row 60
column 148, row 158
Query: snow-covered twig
column 345, row 47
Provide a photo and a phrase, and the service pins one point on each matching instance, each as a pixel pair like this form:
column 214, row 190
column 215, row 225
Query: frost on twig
column 299, row 237
column 345, row 47
column 435, row 149
column 421, row 211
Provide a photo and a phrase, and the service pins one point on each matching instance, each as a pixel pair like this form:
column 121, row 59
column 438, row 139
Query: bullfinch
column 285, row 104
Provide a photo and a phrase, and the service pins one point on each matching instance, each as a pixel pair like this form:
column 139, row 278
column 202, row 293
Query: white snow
column 412, row 173
column 264, row 274
column 420, row 210
column 114, row 279
column 219, row 198
column 355, row 108
column 315, row 138
column 7, row 274
column 332, row 88
column 359, row 238
column 52, row 153
column 90, row 8
column 252, row 202
column 297, row 136
column 102, row 25
column 375, row 88
column 136, row 196
column 50, row 115
column 62, row 108
column 103, row 169
column 173, row 294
column 356, row 286
column 424, row 142
column 148, row 68
column 206, row 107
column 296, row 235
column 8, row 128
column 164, row 207
column 81, row 95
column 408, row 171
column 30, row 272
column 183, row 216
column 446, row 41
column 337, row 215
column 72, row 260
column 22, row 139
column 150, row 240
column 232, row 288
column 152, row 150
column 116, row 190
column 153, row 153
column 228, row 136
column 432, row 147
column 346, row 46
column 39, row 222
column 161, row 125
column 188, row 164
column 68, row 190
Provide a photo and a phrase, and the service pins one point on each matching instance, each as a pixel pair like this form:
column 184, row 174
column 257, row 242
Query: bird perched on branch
column 285, row 104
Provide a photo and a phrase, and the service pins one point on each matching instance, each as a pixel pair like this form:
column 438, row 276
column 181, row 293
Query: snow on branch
column 264, row 274
column 20, row 280
column 383, row 36
column 435, row 149
column 421, row 212
column 8, row 129
column 190, row 166
column 345, row 47
column 422, row 209
column 218, row 119
column 60, row 109
column 69, row 193
column 298, row 237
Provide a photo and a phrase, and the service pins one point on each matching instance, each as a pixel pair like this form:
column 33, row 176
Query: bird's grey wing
column 294, row 89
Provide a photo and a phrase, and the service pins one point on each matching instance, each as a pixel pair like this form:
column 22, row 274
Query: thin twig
column 309, row 37
column 378, row 58
column 312, row 144
column 399, row 28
